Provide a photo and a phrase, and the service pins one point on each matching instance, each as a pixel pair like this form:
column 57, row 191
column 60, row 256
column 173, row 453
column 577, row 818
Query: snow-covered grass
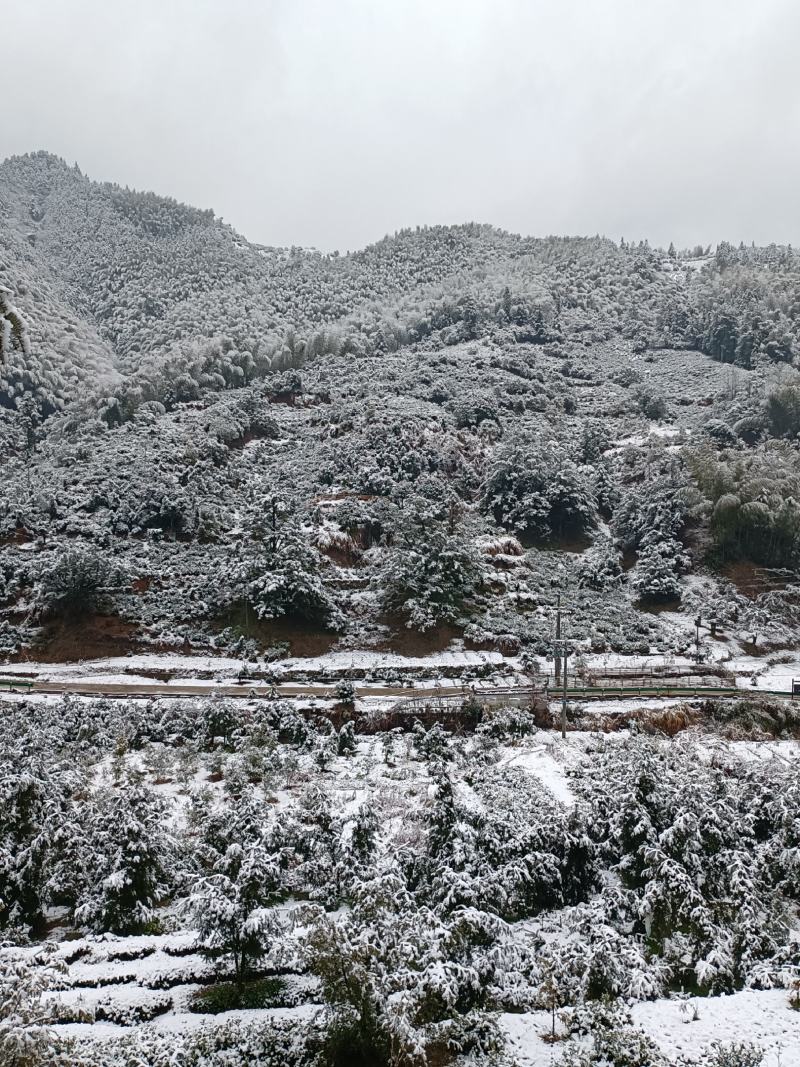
column 762, row 1017
column 545, row 763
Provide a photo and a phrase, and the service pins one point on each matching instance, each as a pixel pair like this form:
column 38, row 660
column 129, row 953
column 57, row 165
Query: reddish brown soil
column 302, row 638
column 341, row 556
column 750, row 579
column 407, row 642
column 19, row 537
column 90, row 638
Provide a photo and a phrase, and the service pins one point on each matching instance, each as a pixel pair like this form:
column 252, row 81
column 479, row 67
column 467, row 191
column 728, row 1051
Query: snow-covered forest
column 273, row 457
column 235, row 446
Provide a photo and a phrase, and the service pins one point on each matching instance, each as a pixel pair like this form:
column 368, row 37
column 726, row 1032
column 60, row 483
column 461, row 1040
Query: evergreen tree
column 601, row 565
column 278, row 571
column 430, row 574
column 129, row 861
column 231, row 908
column 26, row 816
column 658, row 568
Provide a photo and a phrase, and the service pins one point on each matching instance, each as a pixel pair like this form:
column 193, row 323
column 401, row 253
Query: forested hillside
column 250, row 448
column 367, row 485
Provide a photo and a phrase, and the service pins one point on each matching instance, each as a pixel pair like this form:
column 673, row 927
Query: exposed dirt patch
column 344, row 555
column 628, row 561
column 94, row 637
column 236, row 444
column 656, row 607
column 751, row 580
column 303, row 638
column 406, row 642
column 20, row 536
column 760, row 650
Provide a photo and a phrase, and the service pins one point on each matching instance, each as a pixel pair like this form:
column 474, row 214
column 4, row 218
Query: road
column 246, row 691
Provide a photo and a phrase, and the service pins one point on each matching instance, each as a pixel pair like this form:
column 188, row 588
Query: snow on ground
column 368, row 660
column 122, row 667
column 760, row 1016
column 752, row 672
column 786, row 751
column 658, row 429
column 622, row 705
column 766, row 674
column 654, row 429
column 541, row 761
column 524, row 1035
column 174, row 1022
column 125, row 668
column 116, row 665
column 616, row 660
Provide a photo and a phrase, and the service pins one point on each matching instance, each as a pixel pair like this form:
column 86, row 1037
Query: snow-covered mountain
column 234, row 441
column 375, row 488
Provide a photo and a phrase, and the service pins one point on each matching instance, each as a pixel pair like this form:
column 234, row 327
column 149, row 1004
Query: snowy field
column 763, row 1018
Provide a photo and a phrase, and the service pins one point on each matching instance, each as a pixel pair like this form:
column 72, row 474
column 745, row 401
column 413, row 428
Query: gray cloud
column 332, row 122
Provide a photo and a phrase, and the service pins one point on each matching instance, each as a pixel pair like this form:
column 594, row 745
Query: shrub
column 229, row 996
column 344, row 691
column 651, row 403
column 79, row 583
column 735, row 1054
column 505, row 723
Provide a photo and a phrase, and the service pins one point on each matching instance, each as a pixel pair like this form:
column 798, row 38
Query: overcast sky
column 333, row 122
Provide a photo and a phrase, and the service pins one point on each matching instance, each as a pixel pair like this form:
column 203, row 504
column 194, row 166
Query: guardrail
column 16, row 683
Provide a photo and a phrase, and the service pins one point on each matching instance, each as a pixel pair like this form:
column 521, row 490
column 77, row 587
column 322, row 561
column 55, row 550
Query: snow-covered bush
column 26, row 1039
column 507, row 723
column 79, row 582
column 345, row 691
column 534, row 486
column 606, row 1037
column 270, row 1043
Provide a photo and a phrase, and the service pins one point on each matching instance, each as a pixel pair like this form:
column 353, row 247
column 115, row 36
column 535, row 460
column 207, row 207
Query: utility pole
column 274, row 524
column 564, row 691
column 560, row 656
